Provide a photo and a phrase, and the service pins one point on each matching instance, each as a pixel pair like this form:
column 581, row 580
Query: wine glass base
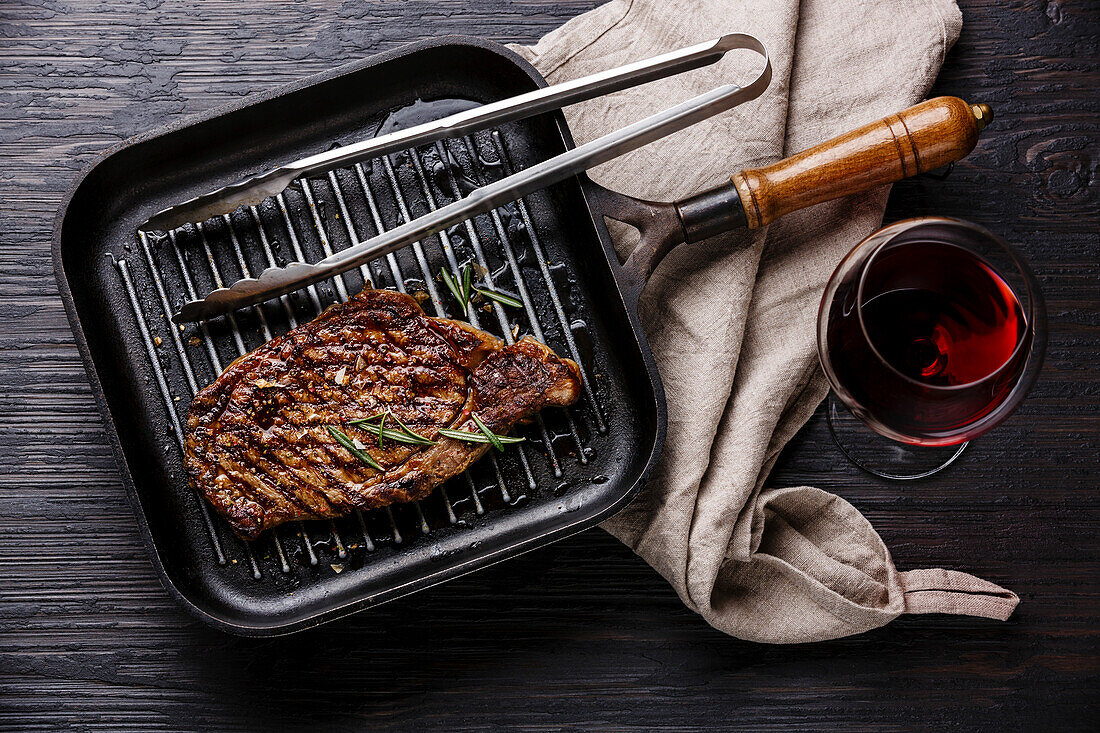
column 881, row 456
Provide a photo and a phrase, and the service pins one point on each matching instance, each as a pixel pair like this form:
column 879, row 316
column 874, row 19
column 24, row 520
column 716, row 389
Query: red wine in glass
column 931, row 331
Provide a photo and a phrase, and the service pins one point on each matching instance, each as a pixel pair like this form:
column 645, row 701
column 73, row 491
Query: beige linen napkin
column 731, row 320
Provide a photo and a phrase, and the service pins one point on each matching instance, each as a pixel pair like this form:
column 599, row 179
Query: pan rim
column 626, row 295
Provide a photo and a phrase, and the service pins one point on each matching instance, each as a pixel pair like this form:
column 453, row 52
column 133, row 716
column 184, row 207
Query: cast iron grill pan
column 549, row 249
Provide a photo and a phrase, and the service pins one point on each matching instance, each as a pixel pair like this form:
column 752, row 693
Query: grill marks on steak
column 257, row 444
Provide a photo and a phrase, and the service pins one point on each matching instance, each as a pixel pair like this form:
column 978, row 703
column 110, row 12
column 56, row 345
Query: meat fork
column 276, row 281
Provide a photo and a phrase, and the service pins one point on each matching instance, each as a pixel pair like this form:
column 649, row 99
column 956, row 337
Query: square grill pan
column 577, row 467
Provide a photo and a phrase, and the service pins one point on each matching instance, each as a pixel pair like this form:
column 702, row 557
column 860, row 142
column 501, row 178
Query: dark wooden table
column 582, row 634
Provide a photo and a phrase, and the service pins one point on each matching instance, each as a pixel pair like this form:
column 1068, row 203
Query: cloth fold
column 731, row 320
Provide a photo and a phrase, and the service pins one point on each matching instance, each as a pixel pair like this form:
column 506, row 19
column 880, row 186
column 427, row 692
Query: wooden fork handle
column 919, row 139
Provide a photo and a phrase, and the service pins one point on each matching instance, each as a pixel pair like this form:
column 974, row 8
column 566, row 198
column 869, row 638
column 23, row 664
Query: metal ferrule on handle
column 277, row 281
column 254, row 190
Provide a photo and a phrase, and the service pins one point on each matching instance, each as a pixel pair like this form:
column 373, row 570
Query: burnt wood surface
column 582, row 634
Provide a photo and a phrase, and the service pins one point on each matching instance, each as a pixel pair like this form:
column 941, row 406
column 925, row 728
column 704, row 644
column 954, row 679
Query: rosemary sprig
column 342, row 438
column 485, row 436
column 467, row 280
column 408, row 431
column 460, row 292
column 462, row 288
column 404, row 434
column 500, row 297
column 477, row 437
column 493, row 437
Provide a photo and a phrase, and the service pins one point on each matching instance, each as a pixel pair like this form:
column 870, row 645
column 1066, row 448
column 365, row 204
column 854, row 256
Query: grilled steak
column 259, row 444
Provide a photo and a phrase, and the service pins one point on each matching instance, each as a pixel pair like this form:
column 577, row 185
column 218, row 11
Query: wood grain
column 581, row 634
column 916, row 140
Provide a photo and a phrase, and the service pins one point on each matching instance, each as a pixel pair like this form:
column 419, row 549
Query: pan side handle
column 916, row 140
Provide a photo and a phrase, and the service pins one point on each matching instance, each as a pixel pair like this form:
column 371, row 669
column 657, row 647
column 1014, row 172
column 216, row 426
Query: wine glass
column 931, row 331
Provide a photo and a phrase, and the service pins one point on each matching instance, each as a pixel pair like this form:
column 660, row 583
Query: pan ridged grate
column 312, row 219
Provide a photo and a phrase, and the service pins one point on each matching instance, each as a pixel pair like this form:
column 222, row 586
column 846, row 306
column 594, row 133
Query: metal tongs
column 276, row 281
